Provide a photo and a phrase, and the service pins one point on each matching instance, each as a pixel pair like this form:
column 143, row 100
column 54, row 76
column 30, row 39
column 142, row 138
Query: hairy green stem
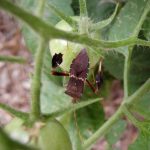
column 14, row 112
column 36, row 81
column 126, row 71
column 49, row 32
column 103, row 129
column 40, row 8
column 13, row 59
column 130, row 116
column 83, row 8
column 112, row 120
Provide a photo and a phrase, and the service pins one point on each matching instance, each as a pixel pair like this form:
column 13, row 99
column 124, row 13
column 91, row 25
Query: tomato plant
column 118, row 34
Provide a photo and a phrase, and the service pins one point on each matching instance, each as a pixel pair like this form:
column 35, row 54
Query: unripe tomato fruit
column 53, row 136
column 70, row 49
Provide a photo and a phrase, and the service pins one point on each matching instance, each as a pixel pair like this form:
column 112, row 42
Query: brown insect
column 78, row 74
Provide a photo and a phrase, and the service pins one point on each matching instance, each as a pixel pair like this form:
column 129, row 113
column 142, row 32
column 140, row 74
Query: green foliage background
column 124, row 25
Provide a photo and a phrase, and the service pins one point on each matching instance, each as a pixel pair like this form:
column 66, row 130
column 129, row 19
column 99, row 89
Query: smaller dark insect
column 57, row 60
column 99, row 77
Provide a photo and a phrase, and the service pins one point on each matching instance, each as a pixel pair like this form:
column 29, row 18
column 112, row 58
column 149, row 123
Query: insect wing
column 79, row 66
column 75, row 88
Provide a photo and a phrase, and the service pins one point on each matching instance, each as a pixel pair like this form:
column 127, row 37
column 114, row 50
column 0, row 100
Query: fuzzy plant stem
column 36, row 81
column 14, row 112
column 12, row 59
column 83, row 8
column 126, row 71
column 112, row 120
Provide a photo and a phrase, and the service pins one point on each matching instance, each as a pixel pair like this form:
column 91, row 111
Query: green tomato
column 53, row 136
column 70, row 49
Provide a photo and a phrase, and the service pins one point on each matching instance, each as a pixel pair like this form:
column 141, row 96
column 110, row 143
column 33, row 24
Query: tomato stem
column 36, row 81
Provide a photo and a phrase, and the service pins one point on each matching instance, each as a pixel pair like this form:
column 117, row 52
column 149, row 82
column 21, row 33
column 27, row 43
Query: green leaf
column 139, row 67
column 146, row 27
column 98, row 10
column 64, row 7
column 30, row 37
column 139, row 73
column 130, row 13
column 142, row 106
column 114, row 63
column 102, row 24
column 91, row 117
column 116, row 131
column 28, row 4
column 142, row 142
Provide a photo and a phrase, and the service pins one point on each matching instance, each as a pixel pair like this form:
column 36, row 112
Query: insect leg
column 56, row 73
column 91, row 86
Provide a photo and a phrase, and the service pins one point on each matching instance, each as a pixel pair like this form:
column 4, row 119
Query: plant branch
column 14, row 112
column 12, row 59
column 103, row 129
column 118, row 114
column 40, row 8
column 49, row 32
column 83, row 8
column 61, row 15
column 126, row 71
column 36, row 81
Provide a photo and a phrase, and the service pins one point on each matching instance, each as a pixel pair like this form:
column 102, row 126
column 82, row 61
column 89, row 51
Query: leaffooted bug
column 78, row 74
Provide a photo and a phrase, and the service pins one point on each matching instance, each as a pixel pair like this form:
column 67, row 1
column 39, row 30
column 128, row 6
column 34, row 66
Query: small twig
column 36, row 81
column 13, row 59
column 14, row 112
column 126, row 71
column 83, row 8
